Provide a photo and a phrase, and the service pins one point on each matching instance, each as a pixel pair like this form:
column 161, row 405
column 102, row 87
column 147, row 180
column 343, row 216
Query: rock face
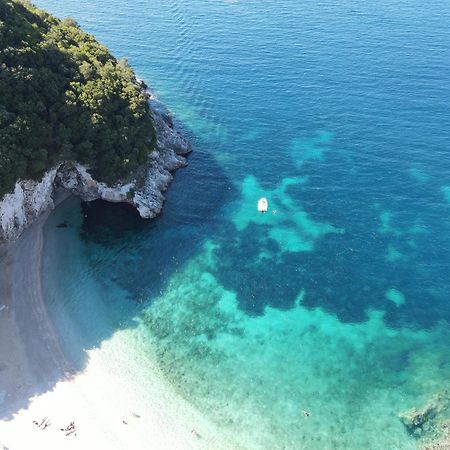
column 31, row 198
column 28, row 201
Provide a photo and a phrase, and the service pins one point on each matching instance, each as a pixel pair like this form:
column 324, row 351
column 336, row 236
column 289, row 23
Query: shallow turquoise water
column 336, row 302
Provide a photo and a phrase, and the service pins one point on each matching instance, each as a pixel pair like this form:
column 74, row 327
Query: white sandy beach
column 104, row 401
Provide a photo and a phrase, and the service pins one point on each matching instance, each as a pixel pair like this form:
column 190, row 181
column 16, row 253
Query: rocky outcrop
column 28, row 201
column 425, row 422
column 145, row 190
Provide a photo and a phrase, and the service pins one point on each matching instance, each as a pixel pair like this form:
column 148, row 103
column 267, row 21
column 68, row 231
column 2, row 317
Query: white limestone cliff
column 31, row 198
column 28, row 201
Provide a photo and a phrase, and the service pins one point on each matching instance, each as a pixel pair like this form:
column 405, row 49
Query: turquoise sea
column 336, row 302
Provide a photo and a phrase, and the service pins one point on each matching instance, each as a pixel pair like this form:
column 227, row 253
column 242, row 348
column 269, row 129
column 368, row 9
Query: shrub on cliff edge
column 63, row 96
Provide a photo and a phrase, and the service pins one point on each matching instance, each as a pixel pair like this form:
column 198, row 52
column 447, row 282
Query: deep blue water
column 338, row 113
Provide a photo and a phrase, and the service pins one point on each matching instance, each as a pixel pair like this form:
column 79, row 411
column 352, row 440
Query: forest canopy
column 64, row 97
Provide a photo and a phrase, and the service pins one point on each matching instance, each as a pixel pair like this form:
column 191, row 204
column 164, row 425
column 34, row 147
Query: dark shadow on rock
column 159, row 247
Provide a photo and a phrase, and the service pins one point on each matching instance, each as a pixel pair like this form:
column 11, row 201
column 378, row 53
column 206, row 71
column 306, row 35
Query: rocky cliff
column 144, row 190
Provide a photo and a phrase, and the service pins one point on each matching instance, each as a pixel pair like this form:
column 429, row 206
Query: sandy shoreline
column 106, row 406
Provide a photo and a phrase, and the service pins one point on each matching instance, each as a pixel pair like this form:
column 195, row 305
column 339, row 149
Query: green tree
column 64, row 97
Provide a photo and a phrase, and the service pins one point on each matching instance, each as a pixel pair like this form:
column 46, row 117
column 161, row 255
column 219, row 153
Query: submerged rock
column 426, row 420
column 144, row 190
column 415, row 420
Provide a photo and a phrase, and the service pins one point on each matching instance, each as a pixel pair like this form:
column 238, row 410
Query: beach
column 46, row 404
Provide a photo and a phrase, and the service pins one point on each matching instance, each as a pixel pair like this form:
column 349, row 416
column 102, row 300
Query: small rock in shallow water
column 420, row 421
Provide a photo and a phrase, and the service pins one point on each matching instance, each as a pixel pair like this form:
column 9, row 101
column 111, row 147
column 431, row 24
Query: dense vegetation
column 63, row 96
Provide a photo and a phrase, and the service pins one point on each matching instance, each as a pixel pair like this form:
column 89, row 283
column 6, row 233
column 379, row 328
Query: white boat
column 263, row 205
